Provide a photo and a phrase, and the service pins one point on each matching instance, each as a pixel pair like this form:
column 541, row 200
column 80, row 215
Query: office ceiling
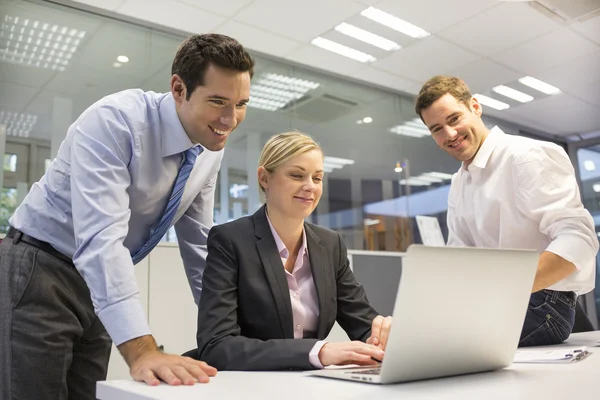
column 486, row 42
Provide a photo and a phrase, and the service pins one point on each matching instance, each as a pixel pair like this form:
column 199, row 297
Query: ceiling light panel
column 367, row 37
column 272, row 92
column 413, row 128
column 342, row 50
column 17, row 124
column 513, row 94
column 38, row 44
column 395, row 23
column 539, row 85
column 493, row 103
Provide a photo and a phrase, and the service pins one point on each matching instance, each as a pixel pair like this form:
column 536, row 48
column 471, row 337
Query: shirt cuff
column 313, row 356
column 572, row 249
column 125, row 320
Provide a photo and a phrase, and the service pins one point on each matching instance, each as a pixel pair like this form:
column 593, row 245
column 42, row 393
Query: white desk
column 580, row 381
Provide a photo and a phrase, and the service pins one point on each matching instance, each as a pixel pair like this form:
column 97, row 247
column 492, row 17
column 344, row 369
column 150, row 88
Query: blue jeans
column 549, row 319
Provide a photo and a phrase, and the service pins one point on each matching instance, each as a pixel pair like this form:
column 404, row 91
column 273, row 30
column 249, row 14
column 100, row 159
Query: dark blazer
column 245, row 319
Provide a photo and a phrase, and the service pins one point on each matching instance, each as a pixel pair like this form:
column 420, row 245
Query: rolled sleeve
column 547, row 192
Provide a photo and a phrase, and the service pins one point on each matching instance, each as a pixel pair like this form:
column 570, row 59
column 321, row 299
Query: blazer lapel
column 317, row 253
column 269, row 255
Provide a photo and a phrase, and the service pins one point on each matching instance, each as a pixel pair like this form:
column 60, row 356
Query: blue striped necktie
column 159, row 231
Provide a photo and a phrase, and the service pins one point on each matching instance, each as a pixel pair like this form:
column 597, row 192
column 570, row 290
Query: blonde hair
column 284, row 146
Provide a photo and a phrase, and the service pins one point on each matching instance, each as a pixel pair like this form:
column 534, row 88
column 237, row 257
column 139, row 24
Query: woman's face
column 294, row 188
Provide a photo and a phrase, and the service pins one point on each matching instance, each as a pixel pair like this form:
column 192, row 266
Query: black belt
column 18, row 236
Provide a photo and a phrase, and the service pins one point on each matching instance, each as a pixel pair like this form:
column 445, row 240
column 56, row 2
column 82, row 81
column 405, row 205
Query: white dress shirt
column 107, row 189
column 520, row 193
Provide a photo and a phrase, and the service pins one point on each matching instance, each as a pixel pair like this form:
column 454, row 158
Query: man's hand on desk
column 354, row 352
column 380, row 330
column 148, row 364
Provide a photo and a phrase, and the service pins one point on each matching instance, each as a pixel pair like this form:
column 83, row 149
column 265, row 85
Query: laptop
column 458, row 310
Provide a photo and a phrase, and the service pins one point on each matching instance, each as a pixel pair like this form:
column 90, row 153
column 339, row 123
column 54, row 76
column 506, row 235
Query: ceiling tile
column 316, row 57
column 561, row 114
column 148, row 51
column 546, row 51
column 573, row 74
column 25, row 75
column 387, row 80
column 429, row 57
column 82, row 80
column 172, row 14
column 299, row 20
column 589, row 28
column 258, row 39
column 15, row 97
column 447, row 13
column 227, row 8
column 481, row 33
column 110, row 5
column 483, row 74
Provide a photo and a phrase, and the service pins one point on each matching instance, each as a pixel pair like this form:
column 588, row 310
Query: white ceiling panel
column 561, row 114
column 574, row 74
column 298, row 20
column 488, row 33
column 589, row 28
column 546, row 51
column 429, row 57
column 369, row 74
column 259, row 40
column 227, row 8
column 589, row 92
column 483, row 74
column 110, row 5
column 316, row 57
column 81, row 80
column 147, row 52
column 15, row 97
column 172, row 14
column 25, row 75
column 435, row 15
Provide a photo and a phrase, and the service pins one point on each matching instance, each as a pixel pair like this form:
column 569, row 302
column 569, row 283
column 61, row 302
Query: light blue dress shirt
column 107, row 189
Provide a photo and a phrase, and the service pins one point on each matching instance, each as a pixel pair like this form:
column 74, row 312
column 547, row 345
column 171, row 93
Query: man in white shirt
column 515, row 192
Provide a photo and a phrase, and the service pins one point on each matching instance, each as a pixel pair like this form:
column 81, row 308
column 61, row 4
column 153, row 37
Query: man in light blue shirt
column 131, row 165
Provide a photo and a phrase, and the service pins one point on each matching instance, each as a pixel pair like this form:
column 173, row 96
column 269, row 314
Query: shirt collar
column 487, row 148
column 173, row 137
column 283, row 251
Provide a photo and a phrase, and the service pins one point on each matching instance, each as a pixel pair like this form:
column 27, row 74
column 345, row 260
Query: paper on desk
column 560, row 355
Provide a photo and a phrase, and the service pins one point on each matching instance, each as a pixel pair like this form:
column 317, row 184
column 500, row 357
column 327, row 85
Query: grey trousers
column 52, row 345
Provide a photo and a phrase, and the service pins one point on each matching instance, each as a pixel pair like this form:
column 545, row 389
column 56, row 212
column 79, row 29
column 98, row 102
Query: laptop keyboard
column 366, row 371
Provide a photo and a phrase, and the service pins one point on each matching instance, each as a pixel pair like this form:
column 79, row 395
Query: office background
column 383, row 168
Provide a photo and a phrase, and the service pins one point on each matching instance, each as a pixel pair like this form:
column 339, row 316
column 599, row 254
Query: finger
column 183, row 375
column 208, row 370
column 361, row 359
column 385, row 332
column 198, row 374
column 164, row 372
column 147, row 376
column 376, row 329
column 370, row 351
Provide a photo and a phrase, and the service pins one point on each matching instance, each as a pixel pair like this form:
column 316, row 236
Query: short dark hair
column 197, row 52
column 439, row 86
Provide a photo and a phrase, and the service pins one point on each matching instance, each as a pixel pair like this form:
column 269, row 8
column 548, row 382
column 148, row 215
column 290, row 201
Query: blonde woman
column 274, row 284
